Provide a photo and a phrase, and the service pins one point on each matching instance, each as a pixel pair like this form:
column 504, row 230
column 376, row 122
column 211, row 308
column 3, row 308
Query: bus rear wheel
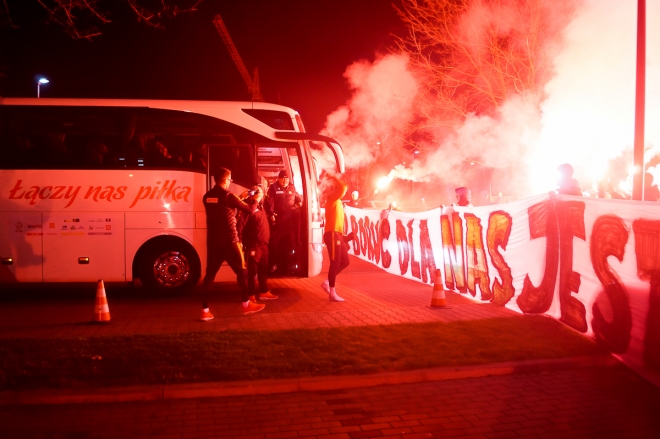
column 170, row 269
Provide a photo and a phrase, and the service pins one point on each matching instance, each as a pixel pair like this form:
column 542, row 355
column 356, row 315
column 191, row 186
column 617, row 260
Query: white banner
column 593, row 264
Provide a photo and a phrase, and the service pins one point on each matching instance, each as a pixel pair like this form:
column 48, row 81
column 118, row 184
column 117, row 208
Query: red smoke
column 574, row 106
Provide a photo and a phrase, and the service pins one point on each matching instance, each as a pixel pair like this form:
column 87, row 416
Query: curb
column 263, row 387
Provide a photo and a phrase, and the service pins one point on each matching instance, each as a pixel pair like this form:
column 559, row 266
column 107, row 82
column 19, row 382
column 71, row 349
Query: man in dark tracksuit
column 222, row 243
column 254, row 233
column 282, row 206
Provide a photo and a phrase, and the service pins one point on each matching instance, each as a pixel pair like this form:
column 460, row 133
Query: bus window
column 61, row 138
column 239, row 159
column 273, row 158
column 279, row 120
column 296, row 171
column 176, row 139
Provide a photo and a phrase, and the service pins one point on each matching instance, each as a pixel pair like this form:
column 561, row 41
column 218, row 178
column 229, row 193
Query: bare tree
column 83, row 18
column 473, row 54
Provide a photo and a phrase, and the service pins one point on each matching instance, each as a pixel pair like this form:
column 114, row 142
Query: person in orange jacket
column 334, row 238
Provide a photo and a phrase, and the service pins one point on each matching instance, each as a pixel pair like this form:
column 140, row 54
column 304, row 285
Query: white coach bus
column 112, row 189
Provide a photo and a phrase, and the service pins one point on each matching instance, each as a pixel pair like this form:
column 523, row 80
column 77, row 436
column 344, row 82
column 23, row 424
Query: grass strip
column 242, row 355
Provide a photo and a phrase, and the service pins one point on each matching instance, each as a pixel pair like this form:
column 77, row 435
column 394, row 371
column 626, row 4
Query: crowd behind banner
column 593, row 264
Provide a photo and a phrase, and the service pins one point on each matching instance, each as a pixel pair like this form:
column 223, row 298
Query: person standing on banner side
column 567, row 184
column 222, row 243
column 282, row 207
column 254, row 233
column 463, row 197
column 334, row 239
column 355, row 200
column 651, row 191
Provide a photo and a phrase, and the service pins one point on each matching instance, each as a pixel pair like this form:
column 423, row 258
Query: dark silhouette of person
column 96, row 155
column 567, row 185
column 354, row 201
column 222, row 242
column 463, row 196
column 651, row 191
column 282, row 207
column 158, row 154
column 254, row 232
column 614, row 194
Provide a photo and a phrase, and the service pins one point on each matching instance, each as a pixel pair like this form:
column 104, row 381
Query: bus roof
column 231, row 111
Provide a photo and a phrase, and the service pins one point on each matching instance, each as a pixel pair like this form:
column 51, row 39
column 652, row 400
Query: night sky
column 301, row 49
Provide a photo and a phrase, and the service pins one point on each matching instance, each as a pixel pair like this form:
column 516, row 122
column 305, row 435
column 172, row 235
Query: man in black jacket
column 222, row 243
column 283, row 209
column 254, row 233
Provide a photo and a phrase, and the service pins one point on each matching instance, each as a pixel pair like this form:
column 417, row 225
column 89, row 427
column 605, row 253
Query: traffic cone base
column 101, row 309
column 438, row 299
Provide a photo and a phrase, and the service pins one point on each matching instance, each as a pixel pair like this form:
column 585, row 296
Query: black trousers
column 338, row 253
column 283, row 239
column 216, row 255
column 257, row 264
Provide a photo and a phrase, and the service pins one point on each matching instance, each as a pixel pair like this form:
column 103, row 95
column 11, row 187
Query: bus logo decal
column 168, row 190
column 107, row 194
column 42, row 193
column 176, row 193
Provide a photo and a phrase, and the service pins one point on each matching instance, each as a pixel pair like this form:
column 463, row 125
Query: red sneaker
column 267, row 296
column 252, row 307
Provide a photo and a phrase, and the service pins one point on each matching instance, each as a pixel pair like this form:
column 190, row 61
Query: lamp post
column 640, row 91
column 39, row 82
column 415, row 156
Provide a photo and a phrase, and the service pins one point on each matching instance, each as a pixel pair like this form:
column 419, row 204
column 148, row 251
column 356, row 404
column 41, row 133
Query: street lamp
column 39, row 82
column 415, row 156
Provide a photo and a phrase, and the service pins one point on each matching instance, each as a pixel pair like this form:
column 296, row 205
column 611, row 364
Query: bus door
column 79, row 246
column 290, row 256
column 21, row 236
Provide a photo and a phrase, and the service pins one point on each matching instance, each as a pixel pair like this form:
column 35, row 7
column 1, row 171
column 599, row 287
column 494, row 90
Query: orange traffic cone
column 101, row 310
column 438, row 299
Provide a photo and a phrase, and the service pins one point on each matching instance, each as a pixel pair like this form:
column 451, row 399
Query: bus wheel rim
column 171, row 269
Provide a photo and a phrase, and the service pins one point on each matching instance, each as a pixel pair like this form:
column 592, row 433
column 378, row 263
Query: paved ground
column 608, row 402
column 585, row 402
column 373, row 297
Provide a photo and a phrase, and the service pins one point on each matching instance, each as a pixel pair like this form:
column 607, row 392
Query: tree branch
column 83, row 18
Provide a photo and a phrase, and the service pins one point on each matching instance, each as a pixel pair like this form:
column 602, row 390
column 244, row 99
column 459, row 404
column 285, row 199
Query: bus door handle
column 7, row 261
column 83, row 260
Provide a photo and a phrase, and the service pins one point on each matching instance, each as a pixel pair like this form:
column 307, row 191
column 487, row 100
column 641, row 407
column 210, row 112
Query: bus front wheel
column 170, row 269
